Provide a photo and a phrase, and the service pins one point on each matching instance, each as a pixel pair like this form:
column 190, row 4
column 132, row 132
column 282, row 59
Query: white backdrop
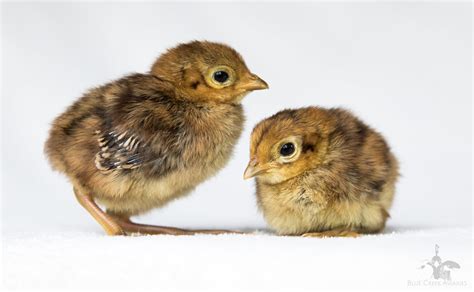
column 405, row 69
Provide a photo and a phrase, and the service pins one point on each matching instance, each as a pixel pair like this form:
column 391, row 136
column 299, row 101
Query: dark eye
column 221, row 76
column 287, row 149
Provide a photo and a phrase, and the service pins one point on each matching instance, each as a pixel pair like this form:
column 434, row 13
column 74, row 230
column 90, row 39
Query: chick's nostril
column 253, row 162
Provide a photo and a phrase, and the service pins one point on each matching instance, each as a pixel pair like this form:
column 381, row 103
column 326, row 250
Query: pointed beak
column 254, row 83
column 252, row 169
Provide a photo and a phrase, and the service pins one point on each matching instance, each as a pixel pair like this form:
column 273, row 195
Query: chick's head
column 285, row 146
column 207, row 71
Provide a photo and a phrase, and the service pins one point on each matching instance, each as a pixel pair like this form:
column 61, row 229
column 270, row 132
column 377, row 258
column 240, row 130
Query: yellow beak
column 252, row 169
column 253, row 83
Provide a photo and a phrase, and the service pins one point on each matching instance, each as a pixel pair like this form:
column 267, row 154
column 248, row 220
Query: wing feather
column 118, row 150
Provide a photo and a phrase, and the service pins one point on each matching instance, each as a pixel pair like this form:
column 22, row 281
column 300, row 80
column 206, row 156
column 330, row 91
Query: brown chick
column 141, row 141
column 321, row 172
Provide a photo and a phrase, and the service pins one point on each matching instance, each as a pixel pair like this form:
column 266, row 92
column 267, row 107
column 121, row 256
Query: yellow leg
column 107, row 223
column 114, row 224
column 135, row 228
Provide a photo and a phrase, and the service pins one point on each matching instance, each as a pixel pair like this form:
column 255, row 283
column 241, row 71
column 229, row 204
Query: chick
column 321, row 172
column 143, row 140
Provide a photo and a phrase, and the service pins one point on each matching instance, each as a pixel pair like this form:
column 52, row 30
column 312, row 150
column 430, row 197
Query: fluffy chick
column 321, row 172
column 141, row 141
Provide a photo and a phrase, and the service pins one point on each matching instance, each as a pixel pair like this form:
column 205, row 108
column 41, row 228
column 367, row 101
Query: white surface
column 84, row 260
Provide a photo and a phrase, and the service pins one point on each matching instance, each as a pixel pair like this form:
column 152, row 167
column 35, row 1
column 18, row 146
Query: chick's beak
column 252, row 169
column 253, row 83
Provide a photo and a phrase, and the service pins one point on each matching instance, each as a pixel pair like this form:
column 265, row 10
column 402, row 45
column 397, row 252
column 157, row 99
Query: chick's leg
column 340, row 232
column 114, row 224
column 109, row 225
column 131, row 227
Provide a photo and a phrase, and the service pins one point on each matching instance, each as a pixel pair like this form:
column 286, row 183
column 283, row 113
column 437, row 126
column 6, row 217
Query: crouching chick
column 321, row 172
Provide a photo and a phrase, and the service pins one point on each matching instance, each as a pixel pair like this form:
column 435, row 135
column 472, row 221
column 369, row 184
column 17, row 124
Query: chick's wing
column 119, row 150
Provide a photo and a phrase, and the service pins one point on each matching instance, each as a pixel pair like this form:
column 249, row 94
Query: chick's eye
column 220, row 76
column 287, row 149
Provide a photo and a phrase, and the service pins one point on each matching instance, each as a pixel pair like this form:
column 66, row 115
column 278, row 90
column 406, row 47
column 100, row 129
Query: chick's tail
column 69, row 130
column 388, row 190
column 53, row 152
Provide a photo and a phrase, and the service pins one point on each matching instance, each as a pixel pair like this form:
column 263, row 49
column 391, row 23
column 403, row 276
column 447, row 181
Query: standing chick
column 141, row 141
column 321, row 172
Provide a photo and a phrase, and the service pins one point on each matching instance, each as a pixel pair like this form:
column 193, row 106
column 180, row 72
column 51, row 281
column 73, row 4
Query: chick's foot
column 332, row 233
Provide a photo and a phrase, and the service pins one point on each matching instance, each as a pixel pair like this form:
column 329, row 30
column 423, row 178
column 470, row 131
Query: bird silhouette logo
column 441, row 270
